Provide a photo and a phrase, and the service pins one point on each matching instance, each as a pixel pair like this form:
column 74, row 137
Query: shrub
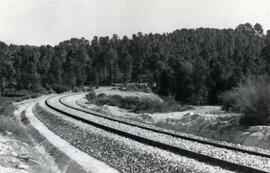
column 58, row 88
column 149, row 105
column 138, row 88
column 131, row 102
column 135, row 104
column 170, row 105
column 115, row 100
column 228, row 100
column 5, row 106
column 76, row 89
column 41, row 90
column 85, row 88
column 104, row 100
column 91, row 95
column 252, row 98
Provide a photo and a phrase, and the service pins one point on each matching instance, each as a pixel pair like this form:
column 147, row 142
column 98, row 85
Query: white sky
column 37, row 22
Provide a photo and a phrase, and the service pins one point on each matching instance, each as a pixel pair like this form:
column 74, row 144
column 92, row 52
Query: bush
column 134, row 87
column 149, row 105
column 170, row 105
column 132, row 103
column 252, row 98
column 90, row 96
column 12, row 92
column 105, row 100
column 8, row 121
column 135, row 104
column 58, row 88
column 41, row 90
column 228, row 100
column 76, row 89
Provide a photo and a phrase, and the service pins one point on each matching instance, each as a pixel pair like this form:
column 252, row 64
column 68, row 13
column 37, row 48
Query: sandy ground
column 205, row 121
column 20, row 157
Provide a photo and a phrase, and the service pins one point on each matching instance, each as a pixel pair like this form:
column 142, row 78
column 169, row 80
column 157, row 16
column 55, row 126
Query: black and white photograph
column 134, row 86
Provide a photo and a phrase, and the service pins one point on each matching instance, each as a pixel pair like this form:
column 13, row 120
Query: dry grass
column 252, row 98
column 136, row 104
column 8, row 122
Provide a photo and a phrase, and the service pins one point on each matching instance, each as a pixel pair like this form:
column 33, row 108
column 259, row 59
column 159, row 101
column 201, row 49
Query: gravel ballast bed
column 67, row 157
column 220, row 153
column 123, row 154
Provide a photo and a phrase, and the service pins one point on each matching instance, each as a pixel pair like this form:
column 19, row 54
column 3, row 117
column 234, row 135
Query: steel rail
column 146, row 127
column 176, row 150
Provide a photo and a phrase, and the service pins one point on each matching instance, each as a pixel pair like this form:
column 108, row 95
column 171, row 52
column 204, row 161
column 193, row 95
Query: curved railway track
column 177, row 150
column 147, row 126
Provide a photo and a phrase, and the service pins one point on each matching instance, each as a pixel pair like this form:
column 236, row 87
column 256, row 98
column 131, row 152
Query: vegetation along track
column 177, row 150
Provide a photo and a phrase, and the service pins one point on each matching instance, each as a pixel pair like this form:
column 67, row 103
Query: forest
column 193, row 65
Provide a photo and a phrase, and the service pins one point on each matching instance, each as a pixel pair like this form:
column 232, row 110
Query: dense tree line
column 193, row 65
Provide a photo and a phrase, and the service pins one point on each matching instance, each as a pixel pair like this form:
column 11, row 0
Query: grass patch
column 6, row 104
column 7, row 120
column 252, row 98
column 136, row 104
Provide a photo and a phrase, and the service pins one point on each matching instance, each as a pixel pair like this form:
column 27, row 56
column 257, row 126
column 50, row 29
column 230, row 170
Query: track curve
column 162, row 131
column 198, row 156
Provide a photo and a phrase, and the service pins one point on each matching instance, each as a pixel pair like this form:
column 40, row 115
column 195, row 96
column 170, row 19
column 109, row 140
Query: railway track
column 150, row 127
column 177, row 150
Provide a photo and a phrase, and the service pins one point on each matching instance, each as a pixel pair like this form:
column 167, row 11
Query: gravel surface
column 225, row 154
column 67, row 163
column 124, row 154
